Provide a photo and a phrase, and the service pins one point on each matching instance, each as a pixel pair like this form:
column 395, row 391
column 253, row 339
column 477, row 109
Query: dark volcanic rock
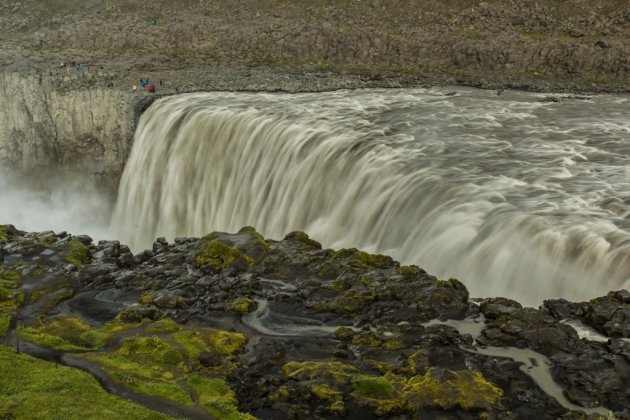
column 317, row 333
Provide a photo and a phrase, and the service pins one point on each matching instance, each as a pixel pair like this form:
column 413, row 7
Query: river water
column 513, row 195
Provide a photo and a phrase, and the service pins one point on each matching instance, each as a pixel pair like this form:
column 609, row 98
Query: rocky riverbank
column 234, row 326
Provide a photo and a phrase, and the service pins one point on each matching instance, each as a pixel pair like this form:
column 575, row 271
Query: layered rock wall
column 42, row 127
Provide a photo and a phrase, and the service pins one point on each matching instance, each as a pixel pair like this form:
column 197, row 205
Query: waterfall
column 497, row 193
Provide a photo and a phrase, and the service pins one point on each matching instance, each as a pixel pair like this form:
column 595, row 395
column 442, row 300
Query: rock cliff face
column 88, row 130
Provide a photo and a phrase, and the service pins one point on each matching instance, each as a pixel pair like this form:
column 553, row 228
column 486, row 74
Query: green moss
column 164, row 325
column 445, row 283
column 223, row 342
column 70, row 333
column 62, row 333
column 219, row 255
column 352, row 255
column 352, row 301
column 5, row 322
column 242, row 305
column 144, row 380
column 4, row 235
column 98, row 337
column 372, row 387
column 226, row 342
column 421, row 356
column 147, row 365
column 303, row 238
column 11, row 297
column 466, row 389
column 282, row 394
column 152, row 349
column 410, row 270
column 326, row 393
column 338, row 372
column 78, row 254
column 148, row 297
column 31, row 388
column 216, row 397
column 264, row 245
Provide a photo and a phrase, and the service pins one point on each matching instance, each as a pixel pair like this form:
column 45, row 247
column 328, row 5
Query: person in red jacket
column 151, row 88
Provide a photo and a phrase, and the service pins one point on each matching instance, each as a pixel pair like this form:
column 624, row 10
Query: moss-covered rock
column 78, row 254
column 242, row 305
column 303, row 238
column 466, row 389
column 334, row 372
column 219, row 255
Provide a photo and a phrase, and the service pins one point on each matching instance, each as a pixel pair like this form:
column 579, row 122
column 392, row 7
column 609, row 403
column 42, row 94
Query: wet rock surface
column 287, row 329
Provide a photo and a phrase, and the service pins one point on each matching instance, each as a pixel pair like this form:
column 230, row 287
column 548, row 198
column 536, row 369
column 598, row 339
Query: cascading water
column 514, row 196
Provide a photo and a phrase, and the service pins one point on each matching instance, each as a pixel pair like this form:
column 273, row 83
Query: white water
column 513, row 196
column 61, row 204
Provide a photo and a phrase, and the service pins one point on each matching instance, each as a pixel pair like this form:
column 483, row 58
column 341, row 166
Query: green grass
column 34, row 389
column 70, row 333
column 374, row 387
column 216, row 397
column 10, row 297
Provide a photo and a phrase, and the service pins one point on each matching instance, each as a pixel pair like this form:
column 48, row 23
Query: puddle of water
column 471, row 326
column 537, row 367
column 266, row 322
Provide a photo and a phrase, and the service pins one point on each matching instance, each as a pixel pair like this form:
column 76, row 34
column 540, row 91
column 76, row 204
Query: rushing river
column 514, row 195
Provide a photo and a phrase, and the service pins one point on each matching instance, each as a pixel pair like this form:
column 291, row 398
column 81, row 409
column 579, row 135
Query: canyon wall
column 42, row 127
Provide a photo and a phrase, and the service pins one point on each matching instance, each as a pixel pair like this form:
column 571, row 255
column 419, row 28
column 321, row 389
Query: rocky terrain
column 235, row 326
column 266, row 45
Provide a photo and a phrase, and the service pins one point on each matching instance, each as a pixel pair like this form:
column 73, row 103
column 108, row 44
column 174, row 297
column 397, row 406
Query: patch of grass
column 4, row 236
column 62, row 333
column 31, row 388
column 71, row 333
column 148, row 372
column 151, row 350
column 5, row 322
column 78, row 254
column 372, row 387
column 216, row 397
column 11, row 297
column 337, row 372
column 165, row 325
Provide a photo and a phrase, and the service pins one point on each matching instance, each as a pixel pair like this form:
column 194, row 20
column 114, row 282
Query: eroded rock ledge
column 235, row 326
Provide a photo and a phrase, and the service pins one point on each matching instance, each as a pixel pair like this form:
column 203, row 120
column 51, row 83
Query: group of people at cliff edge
column 150, row 87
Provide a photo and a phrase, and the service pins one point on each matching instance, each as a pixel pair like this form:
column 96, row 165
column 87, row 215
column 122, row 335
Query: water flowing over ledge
column 514, row 195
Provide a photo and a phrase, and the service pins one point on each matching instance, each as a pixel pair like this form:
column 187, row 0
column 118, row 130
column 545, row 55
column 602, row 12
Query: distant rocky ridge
column 524, row 44
column 233, row 325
